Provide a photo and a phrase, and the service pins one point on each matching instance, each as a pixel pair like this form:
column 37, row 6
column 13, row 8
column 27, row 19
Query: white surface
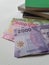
column 8, row 10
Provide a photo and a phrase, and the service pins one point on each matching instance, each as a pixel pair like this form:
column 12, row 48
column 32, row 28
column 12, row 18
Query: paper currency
column 30, row 36
column 15, row 23
column 29, row 41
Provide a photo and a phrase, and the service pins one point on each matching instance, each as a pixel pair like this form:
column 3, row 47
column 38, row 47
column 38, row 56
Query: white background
column 8, row 10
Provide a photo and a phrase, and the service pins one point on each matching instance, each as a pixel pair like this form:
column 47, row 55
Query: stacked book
column 31, row 33
column 35, row 9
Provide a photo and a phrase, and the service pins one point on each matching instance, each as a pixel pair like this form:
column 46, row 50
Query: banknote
column 30, row 36
column 15, row 24
column 35, row 21
column 30, row 41
column 9, row 33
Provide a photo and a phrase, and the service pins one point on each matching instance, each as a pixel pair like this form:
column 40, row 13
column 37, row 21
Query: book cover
column 37, row 3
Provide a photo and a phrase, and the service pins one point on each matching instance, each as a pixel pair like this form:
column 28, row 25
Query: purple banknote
column 31, row 40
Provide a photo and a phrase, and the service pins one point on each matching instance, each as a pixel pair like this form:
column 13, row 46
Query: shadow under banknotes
column 35, row 55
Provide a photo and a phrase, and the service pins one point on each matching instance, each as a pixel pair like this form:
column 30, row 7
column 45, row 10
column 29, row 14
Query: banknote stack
column 30, row 36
